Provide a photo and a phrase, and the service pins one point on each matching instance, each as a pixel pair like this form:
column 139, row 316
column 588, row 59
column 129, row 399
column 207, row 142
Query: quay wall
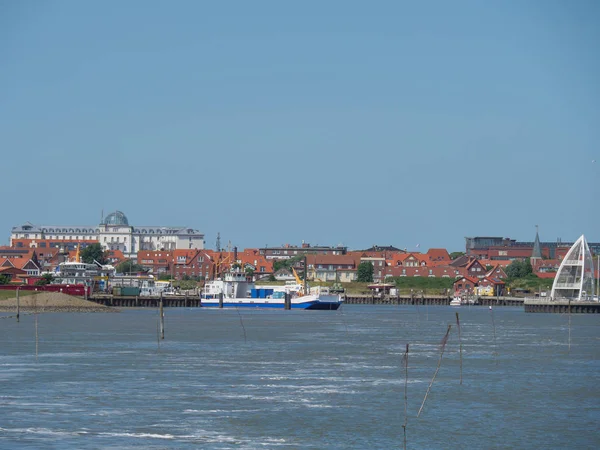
column 439, row 300
column 529, row 305
column 561, row 307
column 124, row 301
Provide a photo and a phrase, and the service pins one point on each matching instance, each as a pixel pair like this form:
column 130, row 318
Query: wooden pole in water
column 36, row 326
column 287, row 301
column 405, row 394
column 569, row 324
column 221, row 300
column 437, row 369
column 460, row 344
column 18, row 308
column 162, row 318
column 494, row 328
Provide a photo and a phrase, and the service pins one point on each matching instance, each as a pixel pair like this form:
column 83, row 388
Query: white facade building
column 115, row 233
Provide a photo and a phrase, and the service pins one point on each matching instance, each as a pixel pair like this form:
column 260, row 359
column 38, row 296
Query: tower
column 536, row 255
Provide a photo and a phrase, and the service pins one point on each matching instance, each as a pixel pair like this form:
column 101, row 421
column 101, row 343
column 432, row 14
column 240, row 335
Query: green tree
column 5, row 279
column 513, row 270
column 94, row 252
column 527, row 268
column 519, row 269
column 364, row 273
column 129, row 267
column 47, row 278
column 455, row 255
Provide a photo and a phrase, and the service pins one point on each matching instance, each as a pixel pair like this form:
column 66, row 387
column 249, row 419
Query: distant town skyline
column 226, row 242
column 334, row 122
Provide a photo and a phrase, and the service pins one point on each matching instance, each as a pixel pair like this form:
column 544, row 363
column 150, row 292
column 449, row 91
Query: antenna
column 218, row 242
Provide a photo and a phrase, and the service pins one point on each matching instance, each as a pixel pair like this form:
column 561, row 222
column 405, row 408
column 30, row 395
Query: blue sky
column 391, row 123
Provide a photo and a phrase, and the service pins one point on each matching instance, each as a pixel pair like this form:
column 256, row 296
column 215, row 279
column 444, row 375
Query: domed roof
column 116, row 218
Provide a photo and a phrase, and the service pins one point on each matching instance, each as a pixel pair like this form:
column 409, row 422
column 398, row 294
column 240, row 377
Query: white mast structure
column 575, row 277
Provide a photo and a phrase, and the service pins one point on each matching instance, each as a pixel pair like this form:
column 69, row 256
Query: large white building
column 114, row 233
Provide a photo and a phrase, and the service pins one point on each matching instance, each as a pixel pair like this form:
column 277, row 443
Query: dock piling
column 162, row 318
column 287, row 301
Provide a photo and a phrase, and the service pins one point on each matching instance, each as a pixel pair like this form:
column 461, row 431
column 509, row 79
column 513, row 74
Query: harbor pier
column 124, row 301
column 561, row 306
column 426, row 299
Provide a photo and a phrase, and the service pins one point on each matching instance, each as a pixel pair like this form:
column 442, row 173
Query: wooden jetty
column 425, row 299
column 534, row 305
column 169, row 301
column 530, row 305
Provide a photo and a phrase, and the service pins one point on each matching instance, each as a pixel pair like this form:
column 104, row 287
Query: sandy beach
column 51, row 302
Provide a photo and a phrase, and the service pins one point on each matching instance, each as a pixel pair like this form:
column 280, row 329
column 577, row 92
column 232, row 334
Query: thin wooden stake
column 36, row 326
column 460, row 344
column 405, row 361
column 36, row 337
column 158, row 330
column 242, row 322
column 494, row 328
column 569, row 324
column 437, row 369
column 162, row 319
column 18, row 306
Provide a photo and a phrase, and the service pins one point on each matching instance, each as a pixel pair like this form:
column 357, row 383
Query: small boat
column 235, row 290
column 456, row 301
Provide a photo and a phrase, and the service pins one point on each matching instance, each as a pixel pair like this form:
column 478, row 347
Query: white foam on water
column 43, row 431
column 216, row 411
column 139, row 435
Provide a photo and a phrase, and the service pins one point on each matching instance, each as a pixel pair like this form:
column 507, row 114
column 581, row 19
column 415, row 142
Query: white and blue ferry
column 238, row 292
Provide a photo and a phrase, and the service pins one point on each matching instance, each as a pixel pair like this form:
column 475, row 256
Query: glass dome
column 116, row 218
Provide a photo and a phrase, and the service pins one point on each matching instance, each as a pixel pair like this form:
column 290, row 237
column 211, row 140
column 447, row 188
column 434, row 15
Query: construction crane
column 299, row 281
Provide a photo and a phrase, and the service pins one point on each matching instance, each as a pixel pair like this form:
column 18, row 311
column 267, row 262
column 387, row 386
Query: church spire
column 537, row 250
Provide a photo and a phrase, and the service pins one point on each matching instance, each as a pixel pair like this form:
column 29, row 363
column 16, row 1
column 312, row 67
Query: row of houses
column 320, row 267
column 334, row 264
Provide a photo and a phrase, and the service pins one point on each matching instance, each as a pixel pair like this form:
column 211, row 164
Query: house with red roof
column 475, row 269
column 438, row 256
column 331, row 267
column 15, row 275
column 496, row 272
column 155, row 261
column 490, row 286
column 465, row 285
column 191, row 263
column 252, row 259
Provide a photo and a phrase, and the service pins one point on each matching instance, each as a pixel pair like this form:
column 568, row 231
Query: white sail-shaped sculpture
column 575, row 277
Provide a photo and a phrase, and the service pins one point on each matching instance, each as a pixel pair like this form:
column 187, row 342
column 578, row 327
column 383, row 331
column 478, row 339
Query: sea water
column 261, row 379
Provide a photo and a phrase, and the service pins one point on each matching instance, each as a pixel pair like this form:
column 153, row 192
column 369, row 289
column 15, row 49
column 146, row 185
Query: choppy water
column 224, row 379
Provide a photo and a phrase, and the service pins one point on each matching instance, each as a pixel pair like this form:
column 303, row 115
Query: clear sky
column 334, row 122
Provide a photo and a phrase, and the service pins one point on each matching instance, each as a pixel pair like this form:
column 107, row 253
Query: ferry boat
column 76, row 272
column 237, row 291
